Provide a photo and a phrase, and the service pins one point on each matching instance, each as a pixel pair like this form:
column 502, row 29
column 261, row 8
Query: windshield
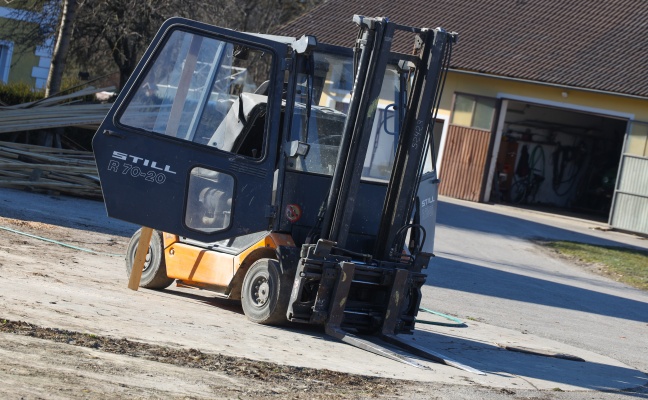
column 191, row 86
column 330, row 89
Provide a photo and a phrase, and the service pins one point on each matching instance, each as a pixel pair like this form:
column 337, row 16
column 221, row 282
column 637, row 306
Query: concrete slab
column 482, row 346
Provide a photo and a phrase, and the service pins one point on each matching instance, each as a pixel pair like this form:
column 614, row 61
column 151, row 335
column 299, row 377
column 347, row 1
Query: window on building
column 473, row 111
column 6, row 51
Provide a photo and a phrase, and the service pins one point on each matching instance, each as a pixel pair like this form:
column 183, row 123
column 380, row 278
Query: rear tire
column 265, row 293
column 154, row 275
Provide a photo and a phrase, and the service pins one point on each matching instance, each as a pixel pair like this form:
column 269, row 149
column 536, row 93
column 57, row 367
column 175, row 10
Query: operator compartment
column 324, row 86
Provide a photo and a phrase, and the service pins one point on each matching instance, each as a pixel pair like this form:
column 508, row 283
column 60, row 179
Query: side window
column 331, row 97
column 204, row 90
column 322, row 128
column 383, row 142
column 209, row 205
column 473, row 111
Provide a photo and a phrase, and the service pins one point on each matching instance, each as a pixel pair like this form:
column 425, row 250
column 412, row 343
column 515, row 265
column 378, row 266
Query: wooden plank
column 69, row 189
column 18, row 166
column 42, row 184
column 43, row 157
column 72, row 179
column 5, row 154
column 44, row 178
column 94, row 178
column 13, row 175
column 52, row 117
column 44, row 149
column 39, row 168
column 58, row 99
column 140, row 258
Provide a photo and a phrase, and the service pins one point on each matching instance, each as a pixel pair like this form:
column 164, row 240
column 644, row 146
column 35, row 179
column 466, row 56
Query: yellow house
column 545, row 104
column 21, row 62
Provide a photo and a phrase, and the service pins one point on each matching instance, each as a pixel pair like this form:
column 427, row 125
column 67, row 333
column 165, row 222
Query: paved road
column 488, row 269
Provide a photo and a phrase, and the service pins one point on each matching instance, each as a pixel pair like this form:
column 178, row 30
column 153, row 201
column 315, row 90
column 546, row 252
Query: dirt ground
column 51, row 359
column 49, row 362
column 69, row 328
column 57, row 354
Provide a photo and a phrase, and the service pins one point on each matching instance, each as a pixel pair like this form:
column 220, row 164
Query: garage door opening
column 557, row 159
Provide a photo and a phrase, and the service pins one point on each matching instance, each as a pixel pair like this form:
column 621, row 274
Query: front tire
column 154, row 274
column 265, row 293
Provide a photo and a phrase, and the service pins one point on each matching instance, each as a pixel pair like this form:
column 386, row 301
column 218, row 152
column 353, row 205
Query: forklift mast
column 432, row 52
column 377, row 292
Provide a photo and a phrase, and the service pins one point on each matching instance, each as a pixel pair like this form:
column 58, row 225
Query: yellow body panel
column 195, row 265
column 189, row 263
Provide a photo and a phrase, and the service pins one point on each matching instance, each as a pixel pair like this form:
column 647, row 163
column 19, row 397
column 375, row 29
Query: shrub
column 18, row 93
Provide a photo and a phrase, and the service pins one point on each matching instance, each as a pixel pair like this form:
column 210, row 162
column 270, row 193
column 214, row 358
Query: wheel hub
column 261, row 291
column 147, row 260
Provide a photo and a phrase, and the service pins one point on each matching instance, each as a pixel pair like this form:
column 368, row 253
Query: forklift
column 294, row 176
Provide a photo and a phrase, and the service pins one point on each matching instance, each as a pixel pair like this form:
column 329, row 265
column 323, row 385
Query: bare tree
column 61, row 47
column 256, row 15
column 105, row 35
column 120, row 30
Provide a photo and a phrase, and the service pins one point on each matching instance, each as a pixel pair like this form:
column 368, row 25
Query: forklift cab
column 220, row 135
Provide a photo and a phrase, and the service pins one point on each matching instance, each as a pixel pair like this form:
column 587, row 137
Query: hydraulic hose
column 60, row 243
column 457, row 323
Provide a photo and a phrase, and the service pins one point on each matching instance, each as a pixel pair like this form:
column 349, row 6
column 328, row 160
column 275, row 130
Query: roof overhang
column 556, row 85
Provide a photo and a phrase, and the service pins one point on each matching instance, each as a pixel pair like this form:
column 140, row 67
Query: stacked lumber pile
column 54, row 112
column 49, row 170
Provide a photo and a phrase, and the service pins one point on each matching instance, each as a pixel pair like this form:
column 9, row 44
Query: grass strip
column 626, row 265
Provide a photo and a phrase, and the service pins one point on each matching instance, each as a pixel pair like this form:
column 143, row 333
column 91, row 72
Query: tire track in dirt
column 315, row 383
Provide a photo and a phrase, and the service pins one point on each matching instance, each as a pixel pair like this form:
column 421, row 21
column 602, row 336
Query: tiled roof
column 601, row 45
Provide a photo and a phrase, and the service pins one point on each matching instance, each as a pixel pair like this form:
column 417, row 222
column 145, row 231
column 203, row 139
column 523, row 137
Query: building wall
column 633, row 109
column 23, row 58
column 630, row 207
column 630, row 108
column 637, row 141
column 28, row 64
